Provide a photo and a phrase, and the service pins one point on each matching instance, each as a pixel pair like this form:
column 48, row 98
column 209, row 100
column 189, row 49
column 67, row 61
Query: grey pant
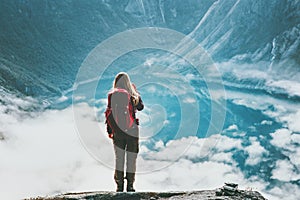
column 125, row 144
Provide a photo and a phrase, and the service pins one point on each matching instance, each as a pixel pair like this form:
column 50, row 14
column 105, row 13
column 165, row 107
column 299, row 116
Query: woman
column 122, row 127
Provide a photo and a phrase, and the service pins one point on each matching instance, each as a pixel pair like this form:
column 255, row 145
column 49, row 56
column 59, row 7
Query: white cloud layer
column 44, row 156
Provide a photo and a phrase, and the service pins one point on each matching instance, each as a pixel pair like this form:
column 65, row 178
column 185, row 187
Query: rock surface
column 200, row 195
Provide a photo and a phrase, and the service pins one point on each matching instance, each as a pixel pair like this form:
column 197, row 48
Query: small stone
column 219, row 192
column 234, row 185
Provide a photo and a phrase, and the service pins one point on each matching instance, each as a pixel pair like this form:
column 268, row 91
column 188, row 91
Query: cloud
column 186, row 175
column 189, row 100
column 289, row 143
column 44, row 156
column 232, row 128
column 62, row 99
column 266, row 122
column 285, row 171
column 286, row 191
column 255, row 152
column 281, row 138
column 291, row 87
column 295, row 158
column 293, row 121
column 152, row 119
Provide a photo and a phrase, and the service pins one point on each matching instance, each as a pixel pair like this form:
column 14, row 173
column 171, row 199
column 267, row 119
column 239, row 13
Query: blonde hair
column 122, row 80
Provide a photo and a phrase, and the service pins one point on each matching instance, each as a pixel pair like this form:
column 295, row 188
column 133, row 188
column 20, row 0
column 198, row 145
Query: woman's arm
column 140, row 105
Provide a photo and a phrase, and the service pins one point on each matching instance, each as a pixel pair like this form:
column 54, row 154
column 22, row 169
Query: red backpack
column 119, row 112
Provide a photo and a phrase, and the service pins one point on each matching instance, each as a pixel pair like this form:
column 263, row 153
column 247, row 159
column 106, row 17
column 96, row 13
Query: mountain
column 43, row 43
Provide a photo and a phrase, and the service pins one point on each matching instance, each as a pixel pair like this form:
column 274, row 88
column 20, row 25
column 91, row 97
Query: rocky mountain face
column 43, row 43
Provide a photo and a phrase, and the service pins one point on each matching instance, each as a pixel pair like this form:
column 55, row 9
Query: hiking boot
column 130, row 180
column 119, row 179
column 120, row 187
column 130, row 187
